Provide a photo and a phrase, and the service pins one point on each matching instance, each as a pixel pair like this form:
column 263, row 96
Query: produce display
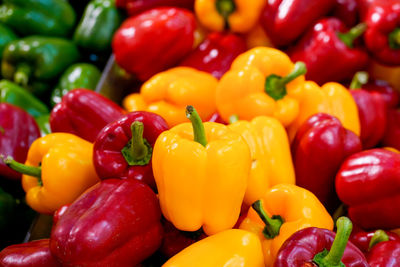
column 216, row 133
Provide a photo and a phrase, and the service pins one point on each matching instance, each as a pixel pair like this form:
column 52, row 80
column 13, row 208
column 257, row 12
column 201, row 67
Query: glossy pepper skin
column 390, row 95
column 134, row 7
column 385, row 254
column 321, row 247
column 232, row 247
column 362, row 239
column 347, row 11
column 319, row 148
column 18, row 130
column 83, row 113
column 6, row 35
column 123, row 149
column 44, row 17
column 35, row 60
column 292, row 208
column 367, row 182
column 124, row 214
column 43, row 122
column 284, row 20
column 216, row 53
column 260, row 82
column 391, row 138
column 321, row 46
column 79, row 75
column 135, row 49
column 169, row 92
column 34, row 253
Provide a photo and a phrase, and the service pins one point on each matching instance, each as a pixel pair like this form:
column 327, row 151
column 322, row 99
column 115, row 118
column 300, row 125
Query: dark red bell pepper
column 115, row 223
column 134, row 7
column 18, row 130
column 154, row 40
column 216, row 53
column 385, row 254
column 389, row 94
column 391, row 138
column 320, row 146
column 329, row 52
column 320, row 247
column 362, row 239
column 347, row 11
column 31, row 254
column 123, row 149
column 216, row 117
column 368, row 182
column 84, row 113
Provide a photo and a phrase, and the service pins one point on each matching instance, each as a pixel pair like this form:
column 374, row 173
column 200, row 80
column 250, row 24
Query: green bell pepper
column 34, row 61
column 80, row 75
column 41, row 17
column 97, row 26
column 6, row 36
column 44, row 124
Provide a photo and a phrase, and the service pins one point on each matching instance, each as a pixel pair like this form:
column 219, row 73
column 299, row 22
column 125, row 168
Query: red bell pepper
column 369, row 183
column 134, row 7
column 18, row 130
column 216, row 117
column 391, row 138
column 329, row 52
column 385, row 254
column 320, row 247
column 123, row 149
column 115, row 223
column 347, row 11
column 216, row 53
column 34, row 253
column 84, row 113
column 362, row 239
column 389, row 94
column 320, row 146
column 154, row 40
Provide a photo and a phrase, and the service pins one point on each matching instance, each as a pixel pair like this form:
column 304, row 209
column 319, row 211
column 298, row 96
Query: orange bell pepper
column 257, row 37
column 387, row 73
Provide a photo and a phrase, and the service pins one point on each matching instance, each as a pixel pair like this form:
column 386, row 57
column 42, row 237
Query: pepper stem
column 379, row 236
column 137, row 151
column 394, row 39
column 198, row 127
column 234, row 118
column 22, row 168
column 21, row 75
column 359, row 79
column 225, row 8
column 275, row 86
column 334, row 256
column 348, row 37
column 272, row 225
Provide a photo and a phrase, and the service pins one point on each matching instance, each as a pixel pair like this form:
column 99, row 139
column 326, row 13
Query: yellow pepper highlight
column 230, row 248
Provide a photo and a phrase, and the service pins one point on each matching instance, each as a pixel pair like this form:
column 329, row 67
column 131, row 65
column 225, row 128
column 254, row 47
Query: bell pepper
column 257, row 37
column 283, row 210
column 232, row 247
column 368, row 183
column 216, row 118
column 7, row 209
column 285, row 21
column 318, row 158
column 391, row 137
column 321, row 46
column 33, row 61
column 216, row 163
column 119, row 225
column 6, row 35
column 123, row 149
column 18, row 130
column 83, row 113
column 134, row 44
column 134, row 7
column 57, row 170
column 18, row 96
column 216, row 53
column 320, row 247
column 390, row 95
column 45, row 17
column 385, row 254
column 260, row 82
column 233, row 15
column 169, row 92
column 347, row 11
column 383, row 72
column 366, row 240
column 79, row 75
column 97, row 26
column 270, row 155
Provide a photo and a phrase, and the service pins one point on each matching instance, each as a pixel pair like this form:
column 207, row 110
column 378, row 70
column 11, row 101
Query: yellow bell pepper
column 283, row 210
column 201, row 175
column 257, row 37
column 270, row 155
column 230, row 248
column 58, row 169
column 260, row 82
column 235, row 15
column 168, row 93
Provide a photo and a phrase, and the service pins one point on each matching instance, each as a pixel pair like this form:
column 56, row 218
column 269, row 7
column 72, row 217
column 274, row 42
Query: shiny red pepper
column 362, row 239
column 216, row 117
column 18, row 130
column 368, row 182
column 286, row 20
column 391, row 138
column 329, row 52
column 134, row 7
column 31, row 254
column 123, row 149
column 385, row 254
column 347, row 11
column 216, row 53
column 115, row 223
column 84, row 113
column 154, row 40
column 320, row 146
column 389, row 94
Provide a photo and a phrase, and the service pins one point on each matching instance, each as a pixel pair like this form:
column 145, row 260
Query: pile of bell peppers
column 255, row 133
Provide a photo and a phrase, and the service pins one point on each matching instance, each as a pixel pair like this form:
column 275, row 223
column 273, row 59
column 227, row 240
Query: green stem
column 379, row 236
column 234, row 118
column 138, row 151
column 272, row 225
column 198, row 127
column 225, row 8
column 24, row 169
column 359, row 79
column 355, row 32
column 275, row 86
column 21, row 75
column 394, row 39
